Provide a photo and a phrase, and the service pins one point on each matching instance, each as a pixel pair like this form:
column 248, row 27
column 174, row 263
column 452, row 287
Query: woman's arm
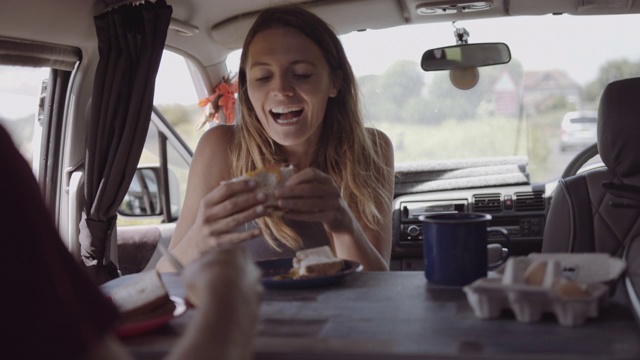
column 213, row 207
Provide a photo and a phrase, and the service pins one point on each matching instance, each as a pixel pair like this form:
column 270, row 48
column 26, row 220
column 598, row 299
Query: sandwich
column 314, row 262
column 269, row 178
column 144, row 297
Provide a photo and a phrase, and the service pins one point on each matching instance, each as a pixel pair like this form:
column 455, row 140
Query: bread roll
column 269, row 178
column 534, row 275
column 569, row 289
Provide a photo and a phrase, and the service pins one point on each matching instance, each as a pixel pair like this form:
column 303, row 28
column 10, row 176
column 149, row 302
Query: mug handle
column 505, row 252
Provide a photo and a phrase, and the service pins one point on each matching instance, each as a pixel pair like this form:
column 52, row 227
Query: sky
column 373, row 51
column 559, row 42
column 19, row 90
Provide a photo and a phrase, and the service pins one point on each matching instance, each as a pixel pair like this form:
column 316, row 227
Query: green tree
column 465, row 104
column 177, row 114
column 371, row 97
column 399, row 93
column 402, row 81
column 442, row 94
column 610, row 71
column 389, row 93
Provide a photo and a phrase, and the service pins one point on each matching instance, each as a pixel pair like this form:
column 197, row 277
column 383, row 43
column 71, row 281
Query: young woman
column 299, row 105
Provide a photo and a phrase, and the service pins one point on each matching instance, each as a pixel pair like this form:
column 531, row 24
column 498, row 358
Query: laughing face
column 289, row 84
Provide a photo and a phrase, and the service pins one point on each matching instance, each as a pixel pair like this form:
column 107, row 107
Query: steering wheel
column 579, row 160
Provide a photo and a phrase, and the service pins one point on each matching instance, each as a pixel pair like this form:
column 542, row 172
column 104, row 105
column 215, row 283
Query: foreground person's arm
column 225, row 288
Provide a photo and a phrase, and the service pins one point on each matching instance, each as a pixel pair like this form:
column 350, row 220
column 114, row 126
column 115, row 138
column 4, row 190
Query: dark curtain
column 130, row 43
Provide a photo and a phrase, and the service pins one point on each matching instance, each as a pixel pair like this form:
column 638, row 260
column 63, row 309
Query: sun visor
column 345, row 17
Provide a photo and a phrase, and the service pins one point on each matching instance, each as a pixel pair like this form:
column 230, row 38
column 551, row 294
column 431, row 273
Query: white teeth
column 283, row 110
column 280, row 121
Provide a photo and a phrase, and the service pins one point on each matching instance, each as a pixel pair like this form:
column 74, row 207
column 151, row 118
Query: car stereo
column 519, row 227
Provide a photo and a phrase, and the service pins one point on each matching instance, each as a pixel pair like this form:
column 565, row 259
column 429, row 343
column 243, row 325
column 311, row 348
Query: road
column 559, row 159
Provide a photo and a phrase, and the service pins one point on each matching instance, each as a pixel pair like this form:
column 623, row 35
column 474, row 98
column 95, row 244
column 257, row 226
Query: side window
column 233, row 61
column 20, row 89
column 176, row 98
column 157, row 191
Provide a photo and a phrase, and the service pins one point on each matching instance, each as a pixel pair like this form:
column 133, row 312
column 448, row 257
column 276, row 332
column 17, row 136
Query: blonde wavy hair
column 347, row 152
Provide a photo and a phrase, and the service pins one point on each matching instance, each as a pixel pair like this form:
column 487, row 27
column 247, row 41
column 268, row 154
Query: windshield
column 559, row 64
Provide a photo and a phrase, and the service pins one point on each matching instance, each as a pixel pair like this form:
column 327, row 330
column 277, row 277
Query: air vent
column 529, row 201
column 487, row 203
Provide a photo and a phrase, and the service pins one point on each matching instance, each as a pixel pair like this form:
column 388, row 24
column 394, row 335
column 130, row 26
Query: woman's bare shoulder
column 220, row 136
column 212, row 156
column 378, row 137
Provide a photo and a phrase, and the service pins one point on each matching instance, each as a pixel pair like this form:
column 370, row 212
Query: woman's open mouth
column 286, row 115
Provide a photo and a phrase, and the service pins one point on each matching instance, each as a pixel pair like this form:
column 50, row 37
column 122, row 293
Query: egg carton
column 530, row 294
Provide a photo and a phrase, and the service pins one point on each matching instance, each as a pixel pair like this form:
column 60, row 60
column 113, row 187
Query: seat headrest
column 619, row 127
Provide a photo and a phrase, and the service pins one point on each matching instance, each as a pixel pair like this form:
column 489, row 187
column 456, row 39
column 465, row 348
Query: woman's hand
column 311, row 195
column 221, row 211
column 217, row 217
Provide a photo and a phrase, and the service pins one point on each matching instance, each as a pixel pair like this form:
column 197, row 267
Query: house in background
column 540, row 90
column 542, row 87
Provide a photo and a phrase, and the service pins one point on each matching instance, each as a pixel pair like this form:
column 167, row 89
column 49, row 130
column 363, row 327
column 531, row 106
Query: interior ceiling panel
column 346, row 17
column 573, row 7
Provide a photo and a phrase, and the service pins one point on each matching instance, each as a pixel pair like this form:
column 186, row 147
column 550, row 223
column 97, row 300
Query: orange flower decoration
column 228, row 100
column 223, row 99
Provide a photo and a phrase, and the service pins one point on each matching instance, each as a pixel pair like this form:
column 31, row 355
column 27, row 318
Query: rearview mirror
column 465, row 56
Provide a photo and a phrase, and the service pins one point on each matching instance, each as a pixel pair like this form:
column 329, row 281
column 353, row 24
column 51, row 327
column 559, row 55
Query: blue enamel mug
column 455, row 247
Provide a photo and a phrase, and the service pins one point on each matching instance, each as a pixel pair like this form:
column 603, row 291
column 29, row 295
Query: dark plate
column 272, row 268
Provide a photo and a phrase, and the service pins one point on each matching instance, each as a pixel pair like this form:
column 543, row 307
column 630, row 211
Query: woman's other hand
column 311, row 195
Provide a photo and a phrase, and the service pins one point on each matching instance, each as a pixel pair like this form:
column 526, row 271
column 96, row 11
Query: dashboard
column 519, row 209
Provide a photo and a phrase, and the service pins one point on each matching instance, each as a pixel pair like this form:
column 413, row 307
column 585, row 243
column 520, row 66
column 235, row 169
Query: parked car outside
column 578, row 129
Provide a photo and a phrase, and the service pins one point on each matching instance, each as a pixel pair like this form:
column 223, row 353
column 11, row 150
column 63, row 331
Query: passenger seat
column 599, row 210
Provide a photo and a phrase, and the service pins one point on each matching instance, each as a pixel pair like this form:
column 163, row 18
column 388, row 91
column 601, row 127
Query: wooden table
column 397, row 315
